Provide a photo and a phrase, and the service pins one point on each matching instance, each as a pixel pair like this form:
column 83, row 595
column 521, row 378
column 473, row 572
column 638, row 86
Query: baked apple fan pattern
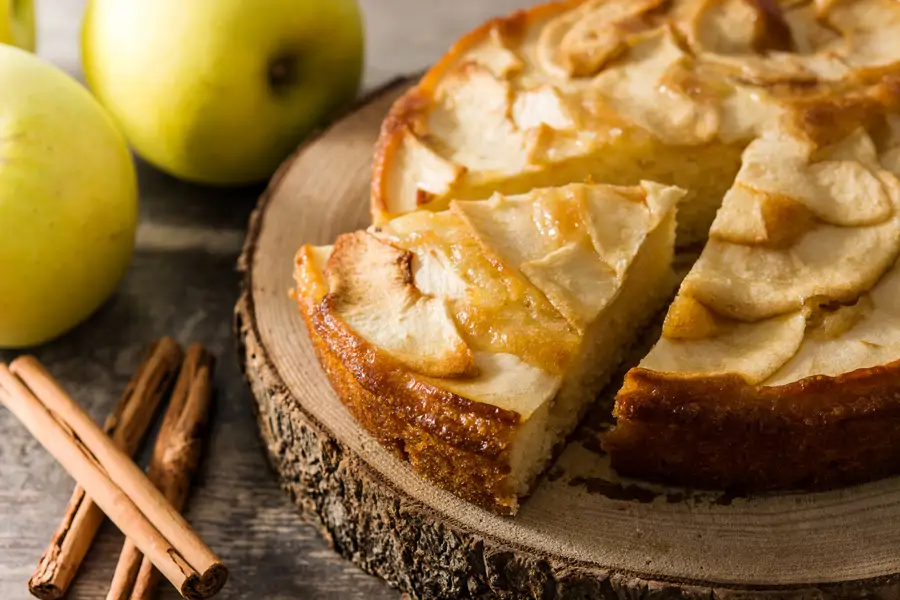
column 799, row 275
column 626, row 90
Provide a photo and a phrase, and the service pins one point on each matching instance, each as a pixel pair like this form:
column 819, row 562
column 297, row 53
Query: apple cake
column 470, row 341
column 518, row 247
column 779, row 360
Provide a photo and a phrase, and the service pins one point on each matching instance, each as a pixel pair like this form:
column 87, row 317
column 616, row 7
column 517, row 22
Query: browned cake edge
column 721, row 432
column 411, row 106
column 460, row 445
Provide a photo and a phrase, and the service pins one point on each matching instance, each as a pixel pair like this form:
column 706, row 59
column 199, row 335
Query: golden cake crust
column 815, row 433
column 458, row 444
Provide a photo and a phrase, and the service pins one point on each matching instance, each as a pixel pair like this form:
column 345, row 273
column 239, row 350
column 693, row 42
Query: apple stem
column 283, row 72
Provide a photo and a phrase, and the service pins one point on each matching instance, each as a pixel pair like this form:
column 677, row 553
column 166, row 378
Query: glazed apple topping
column 491, row 293
column 544, row 92
column 806, row 241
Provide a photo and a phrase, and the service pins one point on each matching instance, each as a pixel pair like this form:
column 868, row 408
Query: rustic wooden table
column 182, row 282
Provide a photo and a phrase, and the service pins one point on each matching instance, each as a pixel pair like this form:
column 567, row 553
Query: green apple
column 221, row 91
column 17, row 23
column 68, row 201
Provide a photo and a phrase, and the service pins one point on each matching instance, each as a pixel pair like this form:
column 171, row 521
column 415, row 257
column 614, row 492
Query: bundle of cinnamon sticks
column 145, row 507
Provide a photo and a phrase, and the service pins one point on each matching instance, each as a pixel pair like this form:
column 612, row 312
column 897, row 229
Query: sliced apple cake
column 518, row 247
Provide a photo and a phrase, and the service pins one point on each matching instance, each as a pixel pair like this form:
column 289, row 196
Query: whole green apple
column 17, row 23
column 68, row 201
column 221, row 91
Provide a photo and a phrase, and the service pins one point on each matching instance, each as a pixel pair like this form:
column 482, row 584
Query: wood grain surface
column 584, row 532
column 182, row 282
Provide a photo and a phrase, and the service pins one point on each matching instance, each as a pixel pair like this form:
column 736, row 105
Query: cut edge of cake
column 488, row 454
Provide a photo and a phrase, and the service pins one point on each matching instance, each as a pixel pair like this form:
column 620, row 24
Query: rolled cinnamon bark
column 115, row 483
column 126, row 427
column 176, row 456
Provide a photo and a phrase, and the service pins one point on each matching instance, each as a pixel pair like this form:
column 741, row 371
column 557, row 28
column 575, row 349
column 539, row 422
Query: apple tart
column 470, row 341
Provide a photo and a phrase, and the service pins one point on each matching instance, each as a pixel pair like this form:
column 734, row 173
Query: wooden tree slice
column 583, row 533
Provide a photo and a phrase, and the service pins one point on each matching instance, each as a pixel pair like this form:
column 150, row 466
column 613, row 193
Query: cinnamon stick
column 126, row 426
column 115, row 483
column 176, row 456
column 126, row 572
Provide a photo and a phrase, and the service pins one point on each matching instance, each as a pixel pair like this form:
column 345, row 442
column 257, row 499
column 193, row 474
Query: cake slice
column 779, row 361
column 470, row 341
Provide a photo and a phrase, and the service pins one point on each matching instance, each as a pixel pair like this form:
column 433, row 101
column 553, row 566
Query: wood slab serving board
column 583, row 533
